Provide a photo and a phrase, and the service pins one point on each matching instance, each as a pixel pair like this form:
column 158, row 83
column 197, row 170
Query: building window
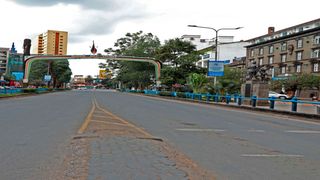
column 261, row 51
column 299, row 43
column 298, row 68
column 299, row 55
column 270, row 49
column 316, row 67
column 315, row 53
column 283, row 46
column 252, row 53
column 316, row 39
column 260, row 61
column 270, row 59
column 191, row 39
column 283, row 57
column 283, row 70
column 272, row 72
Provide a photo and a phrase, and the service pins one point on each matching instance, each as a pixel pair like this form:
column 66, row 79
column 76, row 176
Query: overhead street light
column 216, row 40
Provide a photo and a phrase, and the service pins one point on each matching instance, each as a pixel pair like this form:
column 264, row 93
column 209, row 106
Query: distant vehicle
column 277, row 95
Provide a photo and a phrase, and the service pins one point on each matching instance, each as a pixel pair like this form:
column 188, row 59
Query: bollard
column 272, row 100
column 235, row 98
column 254, row 101
column 239, row 100
column 294, row 104
column 200, row 97
column 318, row 109
column 208, row 97
column 216, row 98
column 228, row 97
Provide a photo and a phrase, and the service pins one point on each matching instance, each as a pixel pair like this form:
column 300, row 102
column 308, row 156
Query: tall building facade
column 289, row 51
column 4, row 56
column 51, row 43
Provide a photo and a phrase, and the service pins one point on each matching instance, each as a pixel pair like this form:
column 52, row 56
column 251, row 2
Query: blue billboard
column 216, row 68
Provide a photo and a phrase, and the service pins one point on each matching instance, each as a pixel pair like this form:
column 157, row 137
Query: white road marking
column 202, row 130
column 303, row 131
column 273, row 155
column 256, row 130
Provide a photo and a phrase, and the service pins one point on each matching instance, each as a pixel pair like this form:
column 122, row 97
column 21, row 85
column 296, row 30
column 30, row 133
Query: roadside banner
column 216, row 68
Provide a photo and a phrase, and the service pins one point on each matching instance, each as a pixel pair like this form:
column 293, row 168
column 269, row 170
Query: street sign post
column 47, row 78
column 216, row 68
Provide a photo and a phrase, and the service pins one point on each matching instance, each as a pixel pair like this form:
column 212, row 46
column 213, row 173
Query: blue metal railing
column 235, row 98
column 20, row 90
column 10, row 91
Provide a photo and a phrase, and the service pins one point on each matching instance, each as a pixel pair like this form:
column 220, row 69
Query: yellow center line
column 120, row 124
column 87, row 120
column 123, row 121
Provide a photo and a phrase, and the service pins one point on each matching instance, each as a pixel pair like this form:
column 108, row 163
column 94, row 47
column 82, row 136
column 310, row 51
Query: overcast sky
column 104, row 21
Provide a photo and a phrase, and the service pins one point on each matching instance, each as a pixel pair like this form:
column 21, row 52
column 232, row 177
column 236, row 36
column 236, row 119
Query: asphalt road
column 230, row 143
column 233, row 144
column 35, row 131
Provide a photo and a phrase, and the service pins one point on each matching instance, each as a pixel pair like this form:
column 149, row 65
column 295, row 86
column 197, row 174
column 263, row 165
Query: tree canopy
column 134, row 74
column 179, row 59
column 59, row 70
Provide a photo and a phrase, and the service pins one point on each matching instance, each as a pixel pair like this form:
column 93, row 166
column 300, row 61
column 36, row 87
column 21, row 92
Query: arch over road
column 31, row 59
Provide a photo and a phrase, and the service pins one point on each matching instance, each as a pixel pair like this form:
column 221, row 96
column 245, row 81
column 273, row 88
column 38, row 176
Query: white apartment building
column 228, row 49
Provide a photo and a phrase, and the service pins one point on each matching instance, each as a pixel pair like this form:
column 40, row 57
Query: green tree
column 180, row 57
column 174, row 52
column 134, row 74
column 297, row 82
column 229, row 83
column 197, row 82
column 37, row 72
column 59, row 70
column 89, row 79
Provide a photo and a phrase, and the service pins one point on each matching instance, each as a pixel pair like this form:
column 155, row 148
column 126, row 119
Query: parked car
column 277, row 95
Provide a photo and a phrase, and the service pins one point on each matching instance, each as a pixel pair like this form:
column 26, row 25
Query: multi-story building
column 228, row 49
column 79, row 79
column 238, row 63
column 51, row 43
column 4, row 56
column 292, row 50
column 289, row 51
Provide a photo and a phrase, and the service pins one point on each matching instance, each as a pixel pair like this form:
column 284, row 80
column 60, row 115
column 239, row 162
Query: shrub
column 29, row 90
column 181, row 94
column 164, row 93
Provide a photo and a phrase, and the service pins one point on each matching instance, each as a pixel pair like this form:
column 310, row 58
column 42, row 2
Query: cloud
column 104, row 23
column 92, row 17
column 112, row 5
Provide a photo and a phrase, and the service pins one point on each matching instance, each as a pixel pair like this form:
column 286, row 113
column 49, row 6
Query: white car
column 277, row 95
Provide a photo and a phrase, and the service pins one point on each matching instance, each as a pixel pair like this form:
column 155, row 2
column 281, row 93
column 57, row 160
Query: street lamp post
column 216, row 41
